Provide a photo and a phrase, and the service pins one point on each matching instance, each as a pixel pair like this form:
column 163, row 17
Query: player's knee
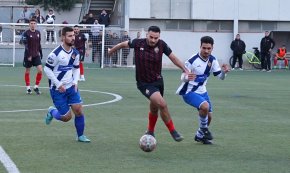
column 204, row 108
column 66, row 118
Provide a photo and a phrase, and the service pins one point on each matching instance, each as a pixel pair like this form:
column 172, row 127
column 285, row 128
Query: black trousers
column 237, row 57
column 266, row 60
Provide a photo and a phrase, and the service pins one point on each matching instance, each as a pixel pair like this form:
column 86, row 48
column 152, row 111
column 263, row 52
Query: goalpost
column 99, row 40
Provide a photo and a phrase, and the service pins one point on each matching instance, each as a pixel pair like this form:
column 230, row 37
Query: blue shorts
column 63, row 101
column 195, row 99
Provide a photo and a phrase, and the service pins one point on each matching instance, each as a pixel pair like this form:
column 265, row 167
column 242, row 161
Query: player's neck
column 66, row 47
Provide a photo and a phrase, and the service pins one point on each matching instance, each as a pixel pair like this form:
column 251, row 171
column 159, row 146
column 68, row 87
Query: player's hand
column 61, row 89
column 225, row 68
column 191, row 76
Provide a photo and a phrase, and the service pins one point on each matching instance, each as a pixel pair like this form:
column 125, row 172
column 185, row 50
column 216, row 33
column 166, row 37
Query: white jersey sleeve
column 51, row 62
column 76, row 69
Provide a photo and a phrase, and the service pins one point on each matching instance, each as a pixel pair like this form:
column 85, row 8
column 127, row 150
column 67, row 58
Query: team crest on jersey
column 156, row 49
column 38, row 35
column 73, row 56
column 80, row 38
column 209, row 64
column 141, row 48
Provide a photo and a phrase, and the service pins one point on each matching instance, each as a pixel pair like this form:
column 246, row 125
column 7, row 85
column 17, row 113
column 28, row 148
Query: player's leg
column 27, row 64
column 61, row 111
column 82, row 75
column 37, row 62
column 152, row 119
column 158, row 101
column 74, row 99
column 199, row 102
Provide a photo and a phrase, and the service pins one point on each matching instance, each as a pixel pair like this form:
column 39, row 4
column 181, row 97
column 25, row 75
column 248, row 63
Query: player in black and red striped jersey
column 32, row 55
column 80, row 45
column 148, row 59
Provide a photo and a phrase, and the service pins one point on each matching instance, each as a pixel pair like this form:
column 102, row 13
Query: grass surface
column 251, row 126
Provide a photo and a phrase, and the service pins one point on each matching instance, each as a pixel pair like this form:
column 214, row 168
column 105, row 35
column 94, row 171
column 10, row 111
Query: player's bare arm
column 118, row 47
column 177, row 62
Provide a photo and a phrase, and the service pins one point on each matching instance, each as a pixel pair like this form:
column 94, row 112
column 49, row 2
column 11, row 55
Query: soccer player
column 62, row 70
column 32, row 55
column 148, row 54
column 193, row 87
column 81, row 45
column 281, row 55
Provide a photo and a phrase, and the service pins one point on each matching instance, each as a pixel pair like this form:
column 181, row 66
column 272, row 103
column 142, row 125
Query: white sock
column 27, row 87
column 35, row 86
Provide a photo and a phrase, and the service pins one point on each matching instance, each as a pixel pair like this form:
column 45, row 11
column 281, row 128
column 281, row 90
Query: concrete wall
column 271, row 10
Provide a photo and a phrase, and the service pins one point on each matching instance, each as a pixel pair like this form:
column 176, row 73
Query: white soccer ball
column 147, row 143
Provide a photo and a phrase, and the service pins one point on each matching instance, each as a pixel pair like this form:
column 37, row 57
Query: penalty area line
column 7, row 162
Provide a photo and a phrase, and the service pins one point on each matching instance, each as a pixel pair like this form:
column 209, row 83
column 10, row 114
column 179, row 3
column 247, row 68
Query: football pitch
column 251, row 126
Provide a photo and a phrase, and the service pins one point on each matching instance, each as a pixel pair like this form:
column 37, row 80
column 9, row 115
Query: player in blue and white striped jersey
column 193, row 87
column 62, row 70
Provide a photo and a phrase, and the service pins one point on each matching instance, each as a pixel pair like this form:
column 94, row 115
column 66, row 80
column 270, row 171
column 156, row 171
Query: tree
column 64, row 5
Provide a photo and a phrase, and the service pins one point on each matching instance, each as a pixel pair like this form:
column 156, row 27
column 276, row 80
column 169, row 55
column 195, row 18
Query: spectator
column 281, row 55
column 90, row 20
column 125, row 51
column 104, row 18
column 114, row 41
column 39, row 18
column 138, row 35
column 50, row 19
column 238, row 47
column 25, row 14
column 266, row 45
column 95, row 32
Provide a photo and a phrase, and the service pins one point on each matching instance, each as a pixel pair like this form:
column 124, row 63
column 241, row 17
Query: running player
column 32, row 55
column 148, row 58
column 62, row 70
column 193, row 87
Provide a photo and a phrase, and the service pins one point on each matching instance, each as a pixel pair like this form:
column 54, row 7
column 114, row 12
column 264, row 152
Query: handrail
column 85, row 9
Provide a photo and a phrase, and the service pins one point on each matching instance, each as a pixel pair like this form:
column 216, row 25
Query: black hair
column 65, row 30
column 32, row 20
column 206, row 39
column 154, row 29
column 76, row 26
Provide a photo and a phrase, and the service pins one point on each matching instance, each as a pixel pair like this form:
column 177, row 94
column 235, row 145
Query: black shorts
column 35, row 61
column 147, row 89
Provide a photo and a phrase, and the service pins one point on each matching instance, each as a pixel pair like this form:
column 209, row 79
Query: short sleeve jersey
column 199, row 67
column 62, row 63
column 32, row 46
column 80, row 42
column 148, row 60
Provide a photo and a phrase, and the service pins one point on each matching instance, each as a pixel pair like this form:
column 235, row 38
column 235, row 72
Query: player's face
column 69, row 38
column 205, row 50
column 152, row 38
column 76, row 30
column 32, row 25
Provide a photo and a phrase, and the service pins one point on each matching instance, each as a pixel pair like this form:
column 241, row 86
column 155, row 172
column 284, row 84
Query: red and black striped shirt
column 32, row 43
column 148, row 60
column 80, row 43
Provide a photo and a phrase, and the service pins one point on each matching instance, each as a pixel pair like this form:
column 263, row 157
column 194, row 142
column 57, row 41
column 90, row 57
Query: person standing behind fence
column 95, row 31
column 81, row 45
column 125, row 51
column 50, row 19
column 104, row 18
column 39, row 18
column 266, row 46
column 32, row 55
column 238, row 47
column 25, row 14
column 114, row 40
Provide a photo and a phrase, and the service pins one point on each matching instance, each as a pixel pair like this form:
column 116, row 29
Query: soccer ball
column 147, row 143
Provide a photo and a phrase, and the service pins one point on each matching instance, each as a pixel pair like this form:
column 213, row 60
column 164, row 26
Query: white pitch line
column 117, row 98
column 7, row 162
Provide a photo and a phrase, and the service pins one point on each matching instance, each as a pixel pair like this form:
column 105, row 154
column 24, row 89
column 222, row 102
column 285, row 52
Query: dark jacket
column 266, row 44
column 238, row 46
column 104, row 19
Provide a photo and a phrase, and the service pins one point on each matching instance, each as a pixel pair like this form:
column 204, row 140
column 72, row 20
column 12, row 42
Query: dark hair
column 154, row 29
column 33, row 19
column 76, row 26
column 65, row 30
column 206, row 39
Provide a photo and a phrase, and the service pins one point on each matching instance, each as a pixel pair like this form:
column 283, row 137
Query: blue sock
column 203, row 121
column 55, row 114
column 80, row 124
